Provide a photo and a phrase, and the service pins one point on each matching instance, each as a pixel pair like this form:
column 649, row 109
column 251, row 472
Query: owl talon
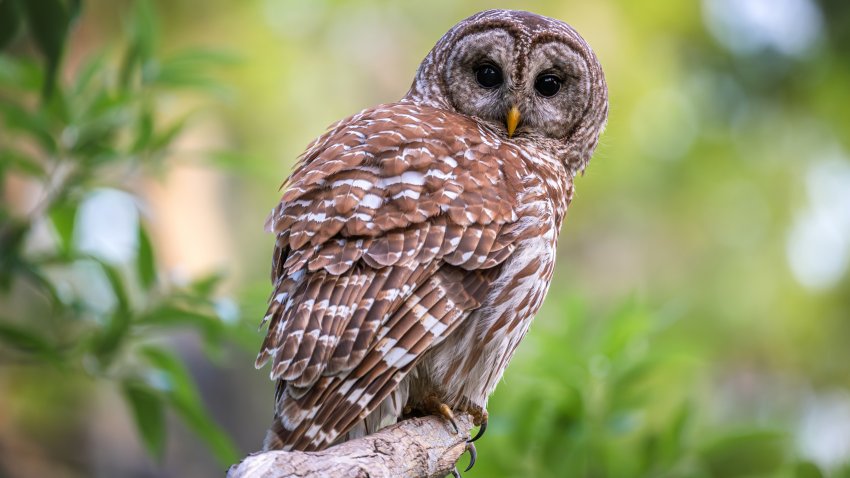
column 479, row 418
column 455, row 473
column 446, row 413
column 435, row 406
column 481, row 429
column 473, row 455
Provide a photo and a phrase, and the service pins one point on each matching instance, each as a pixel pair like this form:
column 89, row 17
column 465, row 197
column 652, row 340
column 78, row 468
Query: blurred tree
column 606, row 406
column 82, row 297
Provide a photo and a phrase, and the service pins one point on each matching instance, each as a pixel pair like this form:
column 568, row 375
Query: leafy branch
column 107, row 316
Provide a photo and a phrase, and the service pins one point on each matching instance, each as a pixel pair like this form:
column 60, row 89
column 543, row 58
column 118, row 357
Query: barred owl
column 416, row 240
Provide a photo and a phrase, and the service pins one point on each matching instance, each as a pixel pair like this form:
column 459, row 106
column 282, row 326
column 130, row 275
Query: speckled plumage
column 416, row 240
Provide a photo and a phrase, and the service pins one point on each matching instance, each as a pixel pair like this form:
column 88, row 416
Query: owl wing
column 390, row 231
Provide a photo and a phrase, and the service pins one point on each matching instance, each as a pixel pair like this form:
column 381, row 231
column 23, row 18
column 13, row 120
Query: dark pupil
column 547, row 85
column 488, row 76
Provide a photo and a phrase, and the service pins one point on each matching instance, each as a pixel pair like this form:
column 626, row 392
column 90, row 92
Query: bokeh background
column 698, row 324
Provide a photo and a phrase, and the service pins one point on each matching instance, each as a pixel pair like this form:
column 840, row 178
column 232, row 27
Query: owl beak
column 512, row 120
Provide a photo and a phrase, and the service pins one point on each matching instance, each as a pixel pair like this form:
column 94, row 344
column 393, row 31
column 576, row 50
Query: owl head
column 528, row 77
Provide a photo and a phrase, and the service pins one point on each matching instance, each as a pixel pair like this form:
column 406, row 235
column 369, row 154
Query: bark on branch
column 414, row 448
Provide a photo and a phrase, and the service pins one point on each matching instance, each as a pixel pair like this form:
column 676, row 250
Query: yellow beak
column 512, row 120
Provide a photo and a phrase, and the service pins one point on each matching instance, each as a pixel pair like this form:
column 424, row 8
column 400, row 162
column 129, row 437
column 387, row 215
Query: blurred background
column 698, row 324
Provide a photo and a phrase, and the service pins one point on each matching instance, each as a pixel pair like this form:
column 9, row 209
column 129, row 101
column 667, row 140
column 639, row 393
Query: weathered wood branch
column 415, row 448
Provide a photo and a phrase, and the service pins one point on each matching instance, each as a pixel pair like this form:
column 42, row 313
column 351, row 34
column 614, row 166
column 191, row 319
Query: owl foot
column 479, row 418
column 434, row 406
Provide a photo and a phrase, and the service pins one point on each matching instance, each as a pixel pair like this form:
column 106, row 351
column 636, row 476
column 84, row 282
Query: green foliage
column 98, row 132
column 48, row 22
column 149, row 413
column 600, row 403
column 745, row 454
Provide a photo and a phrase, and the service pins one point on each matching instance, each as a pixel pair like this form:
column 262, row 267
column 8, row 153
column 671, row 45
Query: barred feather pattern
column 414, row 244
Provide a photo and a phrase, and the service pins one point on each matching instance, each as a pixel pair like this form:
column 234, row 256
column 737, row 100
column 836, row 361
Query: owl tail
column 275, row 437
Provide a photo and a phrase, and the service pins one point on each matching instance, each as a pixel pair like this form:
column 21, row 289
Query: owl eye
column 547, row 85
column 488, row 76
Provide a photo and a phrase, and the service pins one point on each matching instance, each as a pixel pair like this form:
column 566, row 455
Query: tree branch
column 415, row 448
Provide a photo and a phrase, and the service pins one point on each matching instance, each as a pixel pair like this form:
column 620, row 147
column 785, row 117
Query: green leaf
column 205, row 285
column 186, row 400
column 63, row 216
column 146, row 261
column 10, row 20
column 33, row 273
column 144, row 29
column 33, row 124
column 143, row 33
column 749, row 453
column 21, row 162
column 99, row 123
column 28, row 341
column 182, row 77
column 170, row 315
column 197, row 419
column 144, row 131
column 48, row 21
column 20, row 73
column 92, row 67
column 179, row 380
column 190, row 69
column 56, row 107
column 149, row 414
column 163, row 139
column 118, row 287
column 112, row 336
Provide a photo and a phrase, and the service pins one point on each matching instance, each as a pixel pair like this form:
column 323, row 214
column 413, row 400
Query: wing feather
column 430, row 314
column 389, row 232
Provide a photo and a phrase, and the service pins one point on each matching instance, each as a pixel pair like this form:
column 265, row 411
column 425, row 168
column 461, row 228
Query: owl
column 415, row 241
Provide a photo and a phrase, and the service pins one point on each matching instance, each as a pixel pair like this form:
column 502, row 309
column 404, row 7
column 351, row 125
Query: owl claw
column 480, row 418
column 473, row 455
column 481, row 429
column 447, row 413
column 436, row 406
